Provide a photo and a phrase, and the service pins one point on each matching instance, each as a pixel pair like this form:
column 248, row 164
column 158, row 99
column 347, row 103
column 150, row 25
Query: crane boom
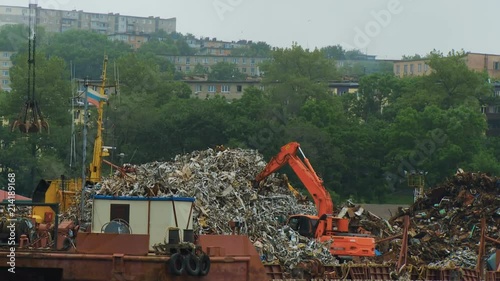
column 305, row 172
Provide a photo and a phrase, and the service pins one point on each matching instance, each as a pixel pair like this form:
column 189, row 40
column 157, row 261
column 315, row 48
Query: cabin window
column 120, row 211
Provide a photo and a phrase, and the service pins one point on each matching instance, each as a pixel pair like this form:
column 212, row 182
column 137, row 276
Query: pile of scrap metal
column 226, row 203
column 445, row 224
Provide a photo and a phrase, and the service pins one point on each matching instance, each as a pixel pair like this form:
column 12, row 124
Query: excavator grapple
column 30, row 119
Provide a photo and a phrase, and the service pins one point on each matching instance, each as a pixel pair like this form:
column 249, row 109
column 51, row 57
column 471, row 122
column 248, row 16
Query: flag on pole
column 95, row 97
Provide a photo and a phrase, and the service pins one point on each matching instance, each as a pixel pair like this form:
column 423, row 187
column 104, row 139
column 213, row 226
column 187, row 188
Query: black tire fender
column 192, row 264
column 176, row 264
column 204, row 265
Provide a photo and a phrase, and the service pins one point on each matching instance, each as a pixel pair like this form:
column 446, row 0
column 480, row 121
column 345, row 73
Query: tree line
column 361, row 144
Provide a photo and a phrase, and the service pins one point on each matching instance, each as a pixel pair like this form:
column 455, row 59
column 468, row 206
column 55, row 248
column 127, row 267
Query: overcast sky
column 385, row 28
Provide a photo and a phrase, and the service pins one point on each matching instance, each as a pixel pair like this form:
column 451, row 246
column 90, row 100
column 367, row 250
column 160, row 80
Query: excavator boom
column 305, row 172
column 324, row 226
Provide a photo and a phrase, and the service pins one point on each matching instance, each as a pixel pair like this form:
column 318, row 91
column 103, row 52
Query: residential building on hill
column 246, row 65
column 60, row 21
column 474, row 61
column 229, row 89
column 203, row 88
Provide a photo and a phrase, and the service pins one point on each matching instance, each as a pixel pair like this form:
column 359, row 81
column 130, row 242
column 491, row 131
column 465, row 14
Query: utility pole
column 84, row 149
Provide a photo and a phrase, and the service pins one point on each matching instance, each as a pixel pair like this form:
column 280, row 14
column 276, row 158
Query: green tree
column 259, row 49
column 434, row 140
column 454, row 82
column 28, row 155
column 334, row 52
column 295, row 75
column 85, row 50
column 225, row 71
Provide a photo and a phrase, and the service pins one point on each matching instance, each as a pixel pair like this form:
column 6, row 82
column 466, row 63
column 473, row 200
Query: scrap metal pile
column 221, row 183
column 445, row 223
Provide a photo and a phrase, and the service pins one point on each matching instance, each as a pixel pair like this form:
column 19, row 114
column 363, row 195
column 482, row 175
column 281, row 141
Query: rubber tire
column 204, row 265
column 176, row 264
column 66, row 244
column 192, row 264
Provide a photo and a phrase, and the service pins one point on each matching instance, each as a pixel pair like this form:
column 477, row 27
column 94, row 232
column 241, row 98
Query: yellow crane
column 63, row 190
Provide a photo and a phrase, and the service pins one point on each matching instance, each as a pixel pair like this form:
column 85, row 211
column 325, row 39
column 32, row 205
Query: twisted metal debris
column 221, row 183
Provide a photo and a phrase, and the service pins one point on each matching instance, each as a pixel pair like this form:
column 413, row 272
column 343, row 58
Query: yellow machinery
column 416, row 181
column 296, row 194
column 63, row 190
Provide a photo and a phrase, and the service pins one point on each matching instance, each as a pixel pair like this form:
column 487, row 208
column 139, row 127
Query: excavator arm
column 306, row 174
column 324, row 226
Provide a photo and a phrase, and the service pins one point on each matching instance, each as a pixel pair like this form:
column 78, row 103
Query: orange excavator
column 324, row 226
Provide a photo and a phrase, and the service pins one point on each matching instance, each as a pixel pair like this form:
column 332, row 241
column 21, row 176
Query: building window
column 224, row 59
column 5, row 55
column 411, row 68
column 5, row 73
column 205, row 60
column 5, row 63
column 252, row 61
column 120, row 211
column 188, row 60
column 239, row 88
column 261, row 88
column 198, row 88
column 188, row 68
column 215, row 60
column 426, row 67
column 179, row 68
column 497, row 93
column 397, row 69
column 496, row 65
column 5, row 82
column 419, row 67
column 252, row 70
column 244, row 69
column 243, row 60
column 405, row 68
column 235, row 60
column 211, row 88
column 226, row 89
column 221, row 52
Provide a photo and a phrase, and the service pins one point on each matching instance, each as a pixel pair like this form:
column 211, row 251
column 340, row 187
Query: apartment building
column 411, row 68
column 202, row 88
column 60, row 21
column 474, row 61
column 134, row 40
column 228, row 89
column 246, row 65
column 5, row 64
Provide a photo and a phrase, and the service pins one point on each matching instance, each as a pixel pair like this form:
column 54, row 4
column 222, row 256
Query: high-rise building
column 60, row 21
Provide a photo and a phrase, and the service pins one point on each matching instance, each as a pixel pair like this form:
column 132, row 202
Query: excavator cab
column 303, row 224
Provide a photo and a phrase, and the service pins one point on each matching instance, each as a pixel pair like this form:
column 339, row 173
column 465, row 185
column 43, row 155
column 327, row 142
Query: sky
column 388, row 29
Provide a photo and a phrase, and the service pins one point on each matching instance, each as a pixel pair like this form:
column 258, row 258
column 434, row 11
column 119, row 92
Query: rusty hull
column 232, row 258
